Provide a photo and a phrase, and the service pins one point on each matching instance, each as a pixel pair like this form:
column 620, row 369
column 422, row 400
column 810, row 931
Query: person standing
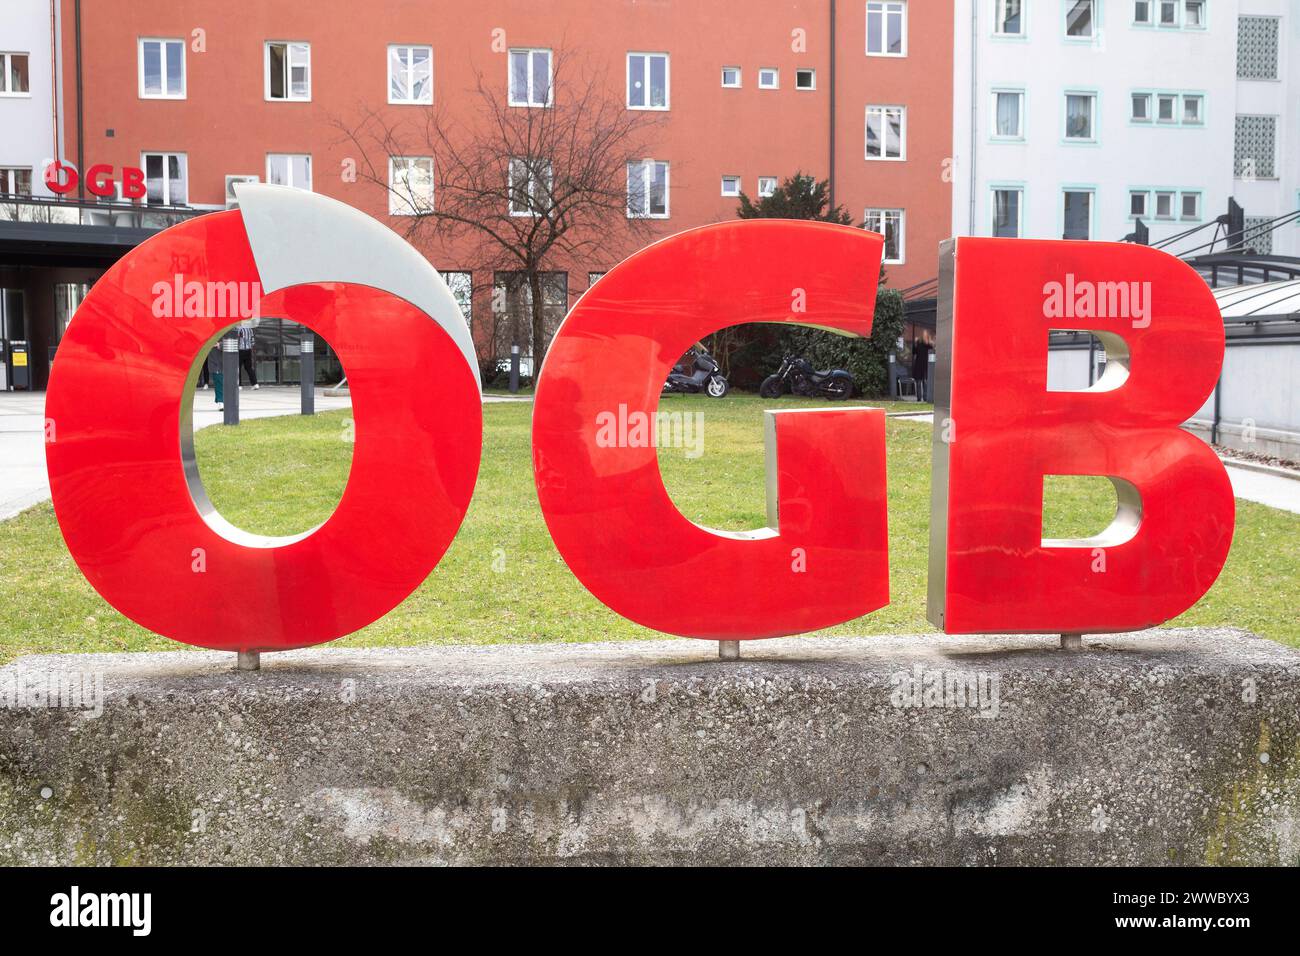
column 246, row 341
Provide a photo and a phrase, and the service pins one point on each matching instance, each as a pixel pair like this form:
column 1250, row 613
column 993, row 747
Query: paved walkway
column 1273, row 488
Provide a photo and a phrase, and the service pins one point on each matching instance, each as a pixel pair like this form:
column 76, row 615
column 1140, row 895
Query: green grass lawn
column 502, row 579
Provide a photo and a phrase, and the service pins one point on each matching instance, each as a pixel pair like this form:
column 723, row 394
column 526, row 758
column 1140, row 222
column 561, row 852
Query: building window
column 1079, row 108
column 15, row 181
column 647, row 81
column 805, row 79
column 1137, row 203
column 731, row 77
column 769, row 78
column 766, row 186
column 1165, row 104
column 166, row 180
column 1168, row 13
column 1078, row 19
column 1164, row 205
column 289, row 169
column 1191, row 206
column 1257, row 48
column 1008, row 114
column 530, row 186
column 530, row 77
column 1009, row 20
column 1142, row 12
column 1192, row 109
column 410, row 185
column 647, row 189
column 288, row 71
column 593, row 278
column 1141, row 109
column 1254, row 147
column 410, row 74
column 162, row 69
column 886, row 132
column 889, row 223
column 731, row 185
column 1006, row 212
column 1077, row 213
column 887, row 28
column 14, row 77
column 461, row 285
column 68, row 297
column 1194, row 15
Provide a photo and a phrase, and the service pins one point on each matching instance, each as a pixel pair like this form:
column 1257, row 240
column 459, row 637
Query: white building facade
column 1076, row 118
column 28, row 94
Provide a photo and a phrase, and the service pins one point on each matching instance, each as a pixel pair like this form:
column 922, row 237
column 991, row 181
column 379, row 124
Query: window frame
column 168, row 200
column 1176, row 23
column 1182, row 197
column 1172, row 99
column 776, row 78
column 5, row 56
column 1172, row 195
column 311, row 175
column 1146, row 203
column 162, row 62
column 739, row 186
column 739, row 78
column 1092, row 138
column 994, row 135
column 288, row 65
column 811, row 72
column 1205, row 9
column 1092, row 34
column 884, row 212
column 530, row 212
column 884, row 108
column 884, row 12
column 645, row 78
column 647, row 181
column 8, row 178
column 1091, row 191
column 999, row 11
column 388, row 54
column 1149, row 97
column 775, row 181
column 1199, row 122
column 550, row 77
column 994, row 189
column 393, row 195
column 1150, row 21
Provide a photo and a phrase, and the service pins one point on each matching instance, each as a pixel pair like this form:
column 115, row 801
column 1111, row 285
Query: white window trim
column 1146, row 204
column 1150, row 21
column 739, row 78
column 162, row 52
column 645, row 78
column 1173, row 204
column 288, row 84
column 902, row 233
column 1093, row 30
column 389, row 70
column 1178, row 15
column 902, row 133
column 4, row 65
column 1150, row 118
column 647, row 177
column 776, row 78
column 1020, row 207
column 812, row 72
column 403, row 200
column 739, row 184
column 884, row 33
column 550, row 79
column 7, row 175
column 776, row 184
column 1200, row 109
column 1173, row 111
column 168, row 200
column 999, row 8
column 288, row 168
column 1091, row 192
column 1019, row 136
column 1092, row 116
column 1199, row 199
column 529, row 213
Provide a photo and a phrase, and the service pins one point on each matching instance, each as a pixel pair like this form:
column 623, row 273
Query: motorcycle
column 697, row 372
column 801, row 378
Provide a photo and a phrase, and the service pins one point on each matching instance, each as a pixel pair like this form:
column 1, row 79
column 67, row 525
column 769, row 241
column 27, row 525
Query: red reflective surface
column 605, row 504
column 119, row 489
column 1008, row 432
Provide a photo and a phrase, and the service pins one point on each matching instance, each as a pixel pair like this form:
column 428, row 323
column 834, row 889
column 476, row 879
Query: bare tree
column 531, row 188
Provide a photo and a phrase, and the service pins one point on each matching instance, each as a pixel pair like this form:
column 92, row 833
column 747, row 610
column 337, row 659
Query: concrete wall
column 1163, row 748
column 27, row 121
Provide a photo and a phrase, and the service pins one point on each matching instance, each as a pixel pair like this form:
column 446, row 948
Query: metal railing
column 74, row 212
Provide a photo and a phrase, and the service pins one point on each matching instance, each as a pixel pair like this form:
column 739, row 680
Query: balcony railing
column 119, row 214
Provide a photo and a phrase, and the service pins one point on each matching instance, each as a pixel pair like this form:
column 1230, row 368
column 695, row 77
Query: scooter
column 801, row 378
column 701, row 375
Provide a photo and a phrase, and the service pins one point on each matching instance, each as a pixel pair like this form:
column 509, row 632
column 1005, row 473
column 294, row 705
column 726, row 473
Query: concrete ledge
column 1165, row 747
